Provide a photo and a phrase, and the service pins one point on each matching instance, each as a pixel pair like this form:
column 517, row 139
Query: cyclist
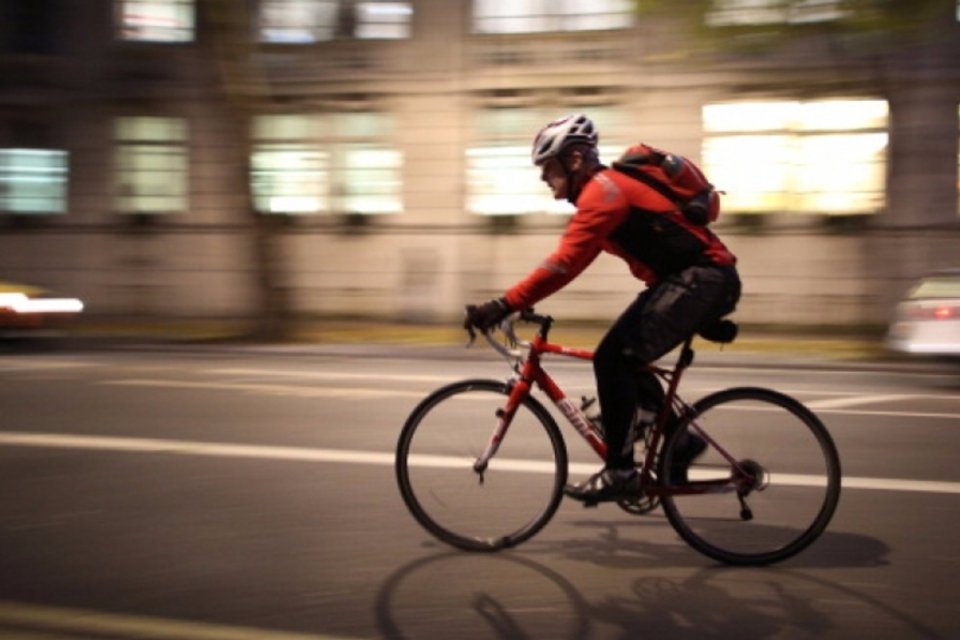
column 690, row 275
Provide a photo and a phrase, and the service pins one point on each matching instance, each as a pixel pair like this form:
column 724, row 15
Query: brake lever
column 472, row 334
column 469, row 327
column 508, row 329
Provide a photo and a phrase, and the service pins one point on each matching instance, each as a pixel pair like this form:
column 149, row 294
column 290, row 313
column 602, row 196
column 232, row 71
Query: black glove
column 487, row 315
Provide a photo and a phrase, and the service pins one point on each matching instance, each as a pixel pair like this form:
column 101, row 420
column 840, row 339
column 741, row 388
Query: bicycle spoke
column 783, row 486
column 515, row 495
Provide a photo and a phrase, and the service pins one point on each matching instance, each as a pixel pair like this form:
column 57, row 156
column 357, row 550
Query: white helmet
column 554, row 137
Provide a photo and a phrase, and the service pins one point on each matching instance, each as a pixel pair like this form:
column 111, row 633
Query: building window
column 308, row 21
column 741, row 13
column 151, row 165
column 383, row 20
column 33, row 181
column 501, row 179
column 535, row 16
column 325, row 163
column 156, row 20
column 826, row 156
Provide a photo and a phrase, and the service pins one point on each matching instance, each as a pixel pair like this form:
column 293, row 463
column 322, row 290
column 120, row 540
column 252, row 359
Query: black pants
column 660, row 319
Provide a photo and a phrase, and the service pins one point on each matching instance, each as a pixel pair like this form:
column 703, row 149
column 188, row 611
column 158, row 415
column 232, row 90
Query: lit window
column 726, row 13
column 824, row 156
column 289, row 178
column 369, row 179
column 531, row 16
column 151, row 165
column 501, row 181
column 308, row 21
column 305, row 164
column 33, row 181
column 383, row 20
column 156, row 20
column 297, row 21
column 501, row 178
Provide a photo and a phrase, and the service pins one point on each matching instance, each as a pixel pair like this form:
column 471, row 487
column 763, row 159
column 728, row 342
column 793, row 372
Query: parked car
column 928, row 319
column 25, row 308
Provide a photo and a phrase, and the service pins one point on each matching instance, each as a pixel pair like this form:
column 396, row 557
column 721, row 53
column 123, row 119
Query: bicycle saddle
column 723, row 331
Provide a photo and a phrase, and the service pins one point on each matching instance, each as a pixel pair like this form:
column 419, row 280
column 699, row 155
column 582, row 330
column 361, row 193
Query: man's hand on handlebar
column 485, row 316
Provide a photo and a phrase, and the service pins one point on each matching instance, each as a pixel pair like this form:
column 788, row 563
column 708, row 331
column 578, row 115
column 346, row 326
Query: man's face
column 557, row 179
column 553, row 174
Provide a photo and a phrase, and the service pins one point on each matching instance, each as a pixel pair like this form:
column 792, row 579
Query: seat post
column 686, row 354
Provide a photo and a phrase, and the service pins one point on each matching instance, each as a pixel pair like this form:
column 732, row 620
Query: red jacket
column 621, row 215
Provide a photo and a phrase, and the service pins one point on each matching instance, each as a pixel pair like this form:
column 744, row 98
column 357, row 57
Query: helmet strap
column 570, row 176
column 576, row 179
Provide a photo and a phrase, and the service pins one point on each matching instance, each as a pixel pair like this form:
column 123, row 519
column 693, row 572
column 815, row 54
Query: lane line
column 854, row 400
column 269, row 389
column 87, row 622
column 891, row 414
column 332, row 375
column 851, row 412
column 307, row 454
column 831, row 406
column 690, row 390
column 19, row 366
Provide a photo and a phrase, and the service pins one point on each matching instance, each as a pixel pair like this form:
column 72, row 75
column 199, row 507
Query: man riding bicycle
column 691, row 282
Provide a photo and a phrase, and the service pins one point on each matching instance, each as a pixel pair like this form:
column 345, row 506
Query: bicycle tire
column 438, row 445
column 796, row 471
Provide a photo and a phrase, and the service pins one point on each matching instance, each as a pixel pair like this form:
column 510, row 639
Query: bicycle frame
column 530, row 373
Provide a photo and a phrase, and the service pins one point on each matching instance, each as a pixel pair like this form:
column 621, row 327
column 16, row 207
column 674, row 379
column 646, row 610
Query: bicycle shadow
column 510, row 595
column 456, row 594
column 833, row 549
column 715, row 603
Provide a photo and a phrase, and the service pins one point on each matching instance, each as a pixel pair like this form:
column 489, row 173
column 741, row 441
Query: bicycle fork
column 519, row 389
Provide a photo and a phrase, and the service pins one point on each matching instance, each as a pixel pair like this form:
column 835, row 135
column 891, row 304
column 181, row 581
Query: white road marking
column 333, row 375
column 270, row 389
column 844, row 397
column 20, row 365
column 307, row 454
column 827, row 406
column 854, row 400
column 74, row 623
column 893, row 414
column 856, row 412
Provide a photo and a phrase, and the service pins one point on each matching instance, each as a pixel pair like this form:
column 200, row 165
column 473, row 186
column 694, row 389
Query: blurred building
column 177, row 158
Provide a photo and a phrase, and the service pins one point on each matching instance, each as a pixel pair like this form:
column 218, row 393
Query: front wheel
column 783, row 471
column 506, row 504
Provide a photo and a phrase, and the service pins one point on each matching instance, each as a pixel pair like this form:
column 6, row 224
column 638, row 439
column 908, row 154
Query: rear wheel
column 506, row 504
column 787, row 470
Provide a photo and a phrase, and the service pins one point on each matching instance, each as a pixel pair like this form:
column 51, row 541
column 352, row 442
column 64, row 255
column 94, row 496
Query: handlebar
column 506, row 327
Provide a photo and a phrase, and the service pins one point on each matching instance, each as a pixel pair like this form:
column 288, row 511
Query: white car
column 24, row 307
column 927, row 321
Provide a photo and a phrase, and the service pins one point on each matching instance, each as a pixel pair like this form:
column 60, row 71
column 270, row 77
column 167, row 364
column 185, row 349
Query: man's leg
column 617, row 389
column 617, row 385
column 679, row 306
column 660, row 319
column 677, row 310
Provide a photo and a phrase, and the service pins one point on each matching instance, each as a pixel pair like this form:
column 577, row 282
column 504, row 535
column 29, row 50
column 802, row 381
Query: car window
column 937, row 287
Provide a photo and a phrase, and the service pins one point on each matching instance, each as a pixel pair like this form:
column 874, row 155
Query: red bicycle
column 481, row 464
